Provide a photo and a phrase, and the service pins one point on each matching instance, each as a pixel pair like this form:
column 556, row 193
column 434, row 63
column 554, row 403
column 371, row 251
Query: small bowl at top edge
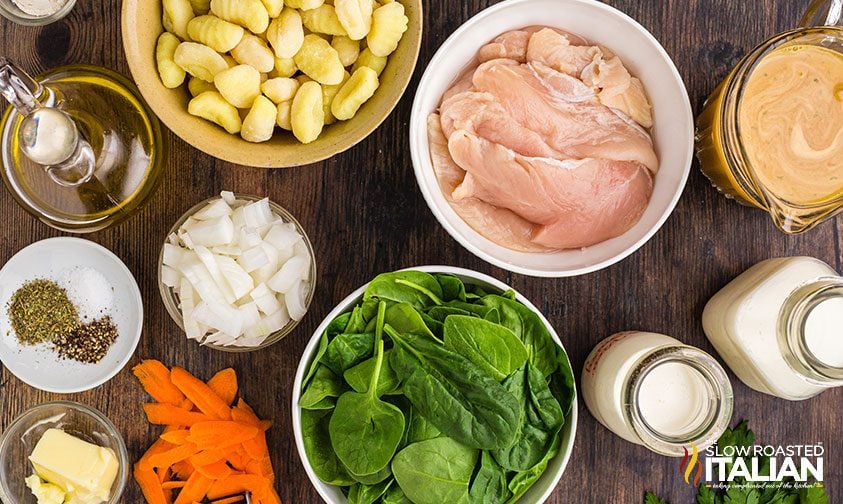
column 13, row 13
column 673, row 133
column 141, row 23
column 171, row 303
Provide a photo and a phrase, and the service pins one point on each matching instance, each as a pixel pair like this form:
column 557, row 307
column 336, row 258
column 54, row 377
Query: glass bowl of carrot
column 76, row 419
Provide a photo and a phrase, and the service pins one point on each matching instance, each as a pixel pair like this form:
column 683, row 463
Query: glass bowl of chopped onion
column 237, row 273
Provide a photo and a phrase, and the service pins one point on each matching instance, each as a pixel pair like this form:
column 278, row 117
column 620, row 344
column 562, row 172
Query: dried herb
column 87, row 343
column 40, row 311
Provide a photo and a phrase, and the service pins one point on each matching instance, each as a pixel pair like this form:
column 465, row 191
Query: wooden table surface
column 365, row 215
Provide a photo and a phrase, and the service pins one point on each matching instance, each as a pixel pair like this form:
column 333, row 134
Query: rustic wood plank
column 365, row 215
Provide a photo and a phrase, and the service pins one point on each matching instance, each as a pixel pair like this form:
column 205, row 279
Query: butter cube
column 46, row 493
column 84, row 471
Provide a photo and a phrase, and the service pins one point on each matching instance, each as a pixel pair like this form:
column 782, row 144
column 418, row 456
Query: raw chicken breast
column 499, row 225
column 543, row 146
column 555, row 50
column 572, row 201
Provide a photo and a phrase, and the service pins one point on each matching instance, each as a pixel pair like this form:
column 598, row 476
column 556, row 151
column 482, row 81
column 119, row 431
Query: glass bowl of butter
column 62, row 451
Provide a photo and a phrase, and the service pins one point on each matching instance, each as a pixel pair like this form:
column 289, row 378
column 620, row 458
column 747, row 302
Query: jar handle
column 818, row 15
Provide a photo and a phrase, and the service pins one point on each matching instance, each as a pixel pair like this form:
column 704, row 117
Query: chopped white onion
column 169, row 276
column 239, row 271
column 214, row 210
column 253, row 259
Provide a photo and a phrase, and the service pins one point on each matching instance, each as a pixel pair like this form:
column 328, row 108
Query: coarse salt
column 40, row 8
column 89, row 291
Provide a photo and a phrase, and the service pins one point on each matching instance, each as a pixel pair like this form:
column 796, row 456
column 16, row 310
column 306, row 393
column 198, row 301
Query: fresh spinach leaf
column 440, row 313
column 540, row 422
column 452, row 287
column 435, row 471
column 365, row 431
column 436, row 327
column 368, row 494
column 405, row 319
column 375, row 478
column 482, row 311
column 317, row 446
column 417, row 288
column 336, row 326
column 493, row 347
column 522, row 481
column 489, row 484
column 459, row 398
column 347, row 350
column 421, row 429
column 360, row 375
column 395, row 496
column 327, row 403
column 528, row 326
column 562, row 382
column 325, row 384
column 356, row 323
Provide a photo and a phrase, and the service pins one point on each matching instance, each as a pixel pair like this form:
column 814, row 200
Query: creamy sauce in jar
column 791, row 123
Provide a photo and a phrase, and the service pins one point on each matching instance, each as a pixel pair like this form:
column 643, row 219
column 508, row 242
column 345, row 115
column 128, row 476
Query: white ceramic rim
column 348, row 302
column 138, row 303
column 421, row 156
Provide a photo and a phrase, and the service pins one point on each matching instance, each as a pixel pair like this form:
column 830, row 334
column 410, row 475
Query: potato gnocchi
column 252, row 66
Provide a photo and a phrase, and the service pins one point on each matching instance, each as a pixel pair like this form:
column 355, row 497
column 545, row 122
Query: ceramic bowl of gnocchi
column 272, row 83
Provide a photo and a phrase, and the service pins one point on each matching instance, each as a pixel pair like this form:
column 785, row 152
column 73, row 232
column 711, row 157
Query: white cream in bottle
column 779, row 326
column 652, row 390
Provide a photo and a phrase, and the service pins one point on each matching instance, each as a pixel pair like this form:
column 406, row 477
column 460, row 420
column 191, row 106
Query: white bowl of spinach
column 472, row 395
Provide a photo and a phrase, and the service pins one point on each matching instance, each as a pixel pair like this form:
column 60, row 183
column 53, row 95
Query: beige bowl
column 141, row 29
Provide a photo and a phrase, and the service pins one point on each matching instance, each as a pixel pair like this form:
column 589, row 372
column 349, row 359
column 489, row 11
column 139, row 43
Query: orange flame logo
column 689, row 463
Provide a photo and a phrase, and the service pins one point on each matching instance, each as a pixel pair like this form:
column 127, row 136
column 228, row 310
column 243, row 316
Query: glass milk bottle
column 652, row 390
column 779, row 326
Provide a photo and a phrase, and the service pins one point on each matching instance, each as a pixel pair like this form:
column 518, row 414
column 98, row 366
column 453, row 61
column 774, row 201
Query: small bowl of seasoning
column 70, row 315
column 35, row 12
column 62, row 451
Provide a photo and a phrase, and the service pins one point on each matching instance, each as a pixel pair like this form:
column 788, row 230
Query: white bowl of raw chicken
column 643, row 56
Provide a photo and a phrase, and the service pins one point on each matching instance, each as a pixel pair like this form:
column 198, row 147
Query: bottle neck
column 810, row 331
column 678, row 397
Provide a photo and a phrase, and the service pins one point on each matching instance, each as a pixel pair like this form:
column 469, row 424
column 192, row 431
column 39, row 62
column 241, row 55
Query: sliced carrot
column 172, row 485
column 236, row 484
column 195, row 489
column 261, row 467
column 215, row 471
column 243, row 413
column 175, row 436
column 183, row 470
column 256, row 447
column 229, row 500
column 170, row 457
column 224, row 384
column 167, row 414
column 220, row 434
column 164, row 474
column 200, row 394
column 155, row 378
column 238, row 460
column 269, row 495
column 149, row 485
column 159, row 446
column 206, row 457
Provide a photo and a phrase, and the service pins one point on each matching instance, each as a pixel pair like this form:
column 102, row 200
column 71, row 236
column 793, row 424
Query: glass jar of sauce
column 771, row 135
column 652, row 390
column 778, row 327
